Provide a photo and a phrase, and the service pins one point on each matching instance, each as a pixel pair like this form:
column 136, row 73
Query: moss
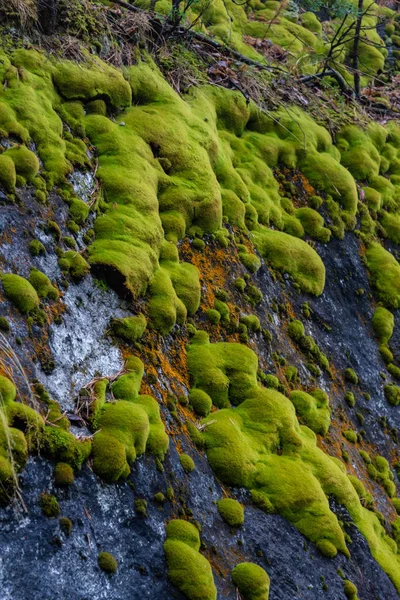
column 73, row 263
column 351, row 376
column 8, row 177
column 198, row 244
column 36, row 248
column 392, row 394
column 127, row 427
column 25, row 162
column 326, row 548
column 242, row 443
column 129, row 329
column 62, row 446
column 394, row 370
column 253, row 294
column 141, row 507
column 69, row 241
column 291, row 255
column 350, row 435
column 210, row 364
column 187, row 463
column 313, row 408
column 385, row 274
column 107, row 562
column 296, row 330
column 66, row 525
column 231, row 511
column 252, row 322
column 240, row 284
column 271, row 381
column 159, row 497
column 251, row 580
column 313, row 224
column 250, row 261
column 213, row 316
column 4, row 324
column 78, row 210
column 42, row 285
column 49, row 505
column 20, row 292
column 365, row 456
column 195, row 435
column 383, row 324
column 188, row 570
column 350, row 590
column 350, row 399
column 63, row 474
column 223, row 310
column 174, row 291
column 200, row 401
column 396, row 504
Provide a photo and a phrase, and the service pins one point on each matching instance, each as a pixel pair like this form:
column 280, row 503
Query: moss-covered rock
column 188, row 570
column 107, row 562
column 20, row 292
column 251, row 580
column 187, row 463
column 231, row 511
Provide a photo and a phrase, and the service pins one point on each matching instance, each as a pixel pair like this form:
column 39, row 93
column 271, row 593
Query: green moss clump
column 392, row 394
column 252, row 322
column 159, row 497
column 250, row 261
column 385, row 274
column 25, row 162
column 8, row 177
column 42, row 285
column 66, row 525
column 107, row 562
column 326, row 548
column 78, row 210
column 20, row 292
column 62, row 446
column 213, row 316
column 49, row 505
column 396, row 504
column 129, row 329
column 350, row 399
column 223, row 310
column 313, row 408
column 188, row 570
column 271, row 381
column 350, row 590
column 4, row 324
column 63, row 474
column 240, row 284
column 291, row 255
column 351, row 376
column 231, row 511
column 200, row 401
column 313, row 224
column 73, row 263
column 127, row 427
column 383, row 324
column 296, row 330
column 141, row 507
column 198, row 244
column 187, row 463
column 36, row 248
column 350, row 435
column 251, row 580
